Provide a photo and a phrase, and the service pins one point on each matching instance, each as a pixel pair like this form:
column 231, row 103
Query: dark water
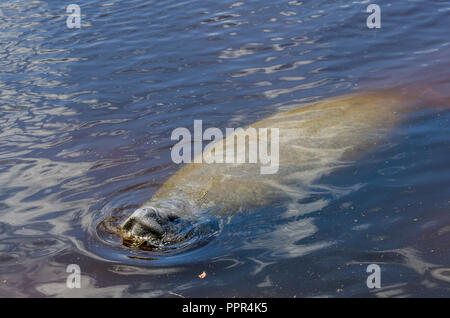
column 85, row 124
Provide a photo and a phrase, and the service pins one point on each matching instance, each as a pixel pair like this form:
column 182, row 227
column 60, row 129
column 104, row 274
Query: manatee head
column 167, row 227
column 150, row 227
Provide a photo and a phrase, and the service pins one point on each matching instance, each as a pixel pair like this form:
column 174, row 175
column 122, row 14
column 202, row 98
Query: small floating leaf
column 202, row 275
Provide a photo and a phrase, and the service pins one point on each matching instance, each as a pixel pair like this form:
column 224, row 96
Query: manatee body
column 314, row 140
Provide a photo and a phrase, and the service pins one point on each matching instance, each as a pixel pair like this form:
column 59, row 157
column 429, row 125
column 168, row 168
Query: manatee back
column 314, row 140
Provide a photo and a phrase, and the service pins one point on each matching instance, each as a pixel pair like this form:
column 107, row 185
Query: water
column 85, row 124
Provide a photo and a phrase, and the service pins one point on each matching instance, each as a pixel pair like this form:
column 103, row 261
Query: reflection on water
column 85, row 123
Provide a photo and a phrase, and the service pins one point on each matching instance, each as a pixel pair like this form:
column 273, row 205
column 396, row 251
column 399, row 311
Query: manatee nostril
column 144, row 221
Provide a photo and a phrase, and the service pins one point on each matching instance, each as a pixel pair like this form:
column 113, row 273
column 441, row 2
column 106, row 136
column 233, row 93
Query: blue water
column 85, row 122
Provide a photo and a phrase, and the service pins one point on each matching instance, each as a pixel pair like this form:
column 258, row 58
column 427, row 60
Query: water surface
column 85, row 122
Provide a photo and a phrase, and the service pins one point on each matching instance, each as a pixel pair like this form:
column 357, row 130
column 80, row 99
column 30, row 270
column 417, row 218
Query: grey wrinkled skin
column 148, row 222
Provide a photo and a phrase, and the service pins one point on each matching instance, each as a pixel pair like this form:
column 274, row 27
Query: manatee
column 314, row 140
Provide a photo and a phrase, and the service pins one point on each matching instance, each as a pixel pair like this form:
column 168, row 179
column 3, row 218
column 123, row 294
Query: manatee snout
column 147, row 223
column 161, row 229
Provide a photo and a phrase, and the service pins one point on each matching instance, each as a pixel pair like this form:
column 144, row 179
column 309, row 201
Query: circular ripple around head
column 186, row 237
